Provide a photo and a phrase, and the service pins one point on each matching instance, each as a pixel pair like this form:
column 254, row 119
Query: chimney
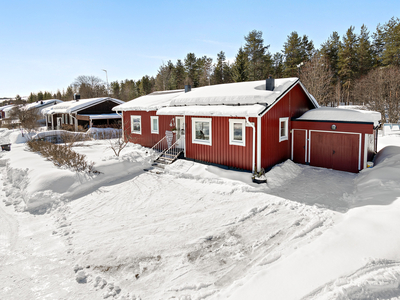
column 188, row 88
column 270, row 83
column 77, row 97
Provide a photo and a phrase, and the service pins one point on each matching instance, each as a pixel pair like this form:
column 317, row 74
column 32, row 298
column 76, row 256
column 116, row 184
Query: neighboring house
column 335, row 138
column 83, row 112
column 242, row 125
column 6, row 116
column 5, row 111
column 40, row 106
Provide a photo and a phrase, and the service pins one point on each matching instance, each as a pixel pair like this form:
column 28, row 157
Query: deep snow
column 196, row 231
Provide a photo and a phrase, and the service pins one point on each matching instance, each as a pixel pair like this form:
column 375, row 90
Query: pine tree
column 296, row 51
column 330, row 50
column 391, row 53
column 348, row 63
column 364, row 52
column 259, row 59
column 240, row 67
column 192, row 70
column 278, row 65
column 378, row 46
column 204, row 69
column 179, row 75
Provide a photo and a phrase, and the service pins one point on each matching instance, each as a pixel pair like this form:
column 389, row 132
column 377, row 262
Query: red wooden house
column 244, row 125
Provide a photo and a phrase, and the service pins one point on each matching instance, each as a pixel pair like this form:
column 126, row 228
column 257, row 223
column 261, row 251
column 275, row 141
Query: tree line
column 348, row 69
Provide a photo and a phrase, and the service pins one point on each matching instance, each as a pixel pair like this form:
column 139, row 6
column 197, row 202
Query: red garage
column 335, row 138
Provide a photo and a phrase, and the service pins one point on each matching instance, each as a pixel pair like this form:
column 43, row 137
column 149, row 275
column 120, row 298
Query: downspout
column 254, row 142
column 258, row 143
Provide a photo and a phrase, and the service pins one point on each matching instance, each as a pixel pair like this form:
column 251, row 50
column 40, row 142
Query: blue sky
column 45, row 45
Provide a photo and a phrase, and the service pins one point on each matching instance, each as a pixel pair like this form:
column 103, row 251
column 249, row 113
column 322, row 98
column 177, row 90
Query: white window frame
column 231, row 132
column 286, row 136
column 197, row 141
column 155, row 131
column 137, row 131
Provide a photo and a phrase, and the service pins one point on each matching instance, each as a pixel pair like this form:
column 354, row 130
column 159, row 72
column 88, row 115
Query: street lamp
column 108, row 88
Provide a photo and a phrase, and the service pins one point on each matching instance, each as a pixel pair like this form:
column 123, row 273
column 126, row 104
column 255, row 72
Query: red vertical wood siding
column 299, row 146
column 146, row 139
column 293, row 104
column 220, row 152
column 345, row 159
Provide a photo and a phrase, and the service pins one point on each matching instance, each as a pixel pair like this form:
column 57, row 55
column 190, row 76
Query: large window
column 136, row 124
column 154, row 124
column 283, row 129
column 201, row 131
column 237, row 132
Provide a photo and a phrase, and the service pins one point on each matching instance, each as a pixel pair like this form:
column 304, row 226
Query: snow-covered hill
column 196, row 231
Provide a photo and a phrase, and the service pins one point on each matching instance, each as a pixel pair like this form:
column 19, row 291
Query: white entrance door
column 180, row 131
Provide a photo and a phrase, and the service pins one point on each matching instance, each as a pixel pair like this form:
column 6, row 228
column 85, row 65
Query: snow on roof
column 103, row 116
column 8, row 107
column 214, row 110
column 41, row 104
column 153, row 101
column 248, row 92
column 340, row 114
column 74, row 106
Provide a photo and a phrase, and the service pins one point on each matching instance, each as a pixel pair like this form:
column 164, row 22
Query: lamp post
column 108, row 88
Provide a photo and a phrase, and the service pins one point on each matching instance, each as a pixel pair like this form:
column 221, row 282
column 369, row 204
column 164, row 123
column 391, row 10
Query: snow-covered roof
column 103, row 116
column 8, row 107
column 74, row 105
column 41, row 104
column 153, row 101
column 243, row 93
column 220, row 95
column 214, row 110
column 341, row 114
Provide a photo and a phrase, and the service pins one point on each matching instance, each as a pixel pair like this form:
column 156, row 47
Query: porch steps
column 166, row 158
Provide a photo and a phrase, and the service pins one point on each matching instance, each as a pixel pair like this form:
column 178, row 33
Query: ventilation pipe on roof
column 270, row 83
column 77, row 97
column 188, row 88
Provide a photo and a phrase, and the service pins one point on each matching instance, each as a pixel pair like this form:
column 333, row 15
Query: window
column 136, row 124
column 201, row 131
column 154, row 124
column 283, row 129
column 237, row 132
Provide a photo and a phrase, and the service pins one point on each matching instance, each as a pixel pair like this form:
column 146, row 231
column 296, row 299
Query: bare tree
column 28, row 119
column 90, row 86
column 379, row 90
column 317, row 77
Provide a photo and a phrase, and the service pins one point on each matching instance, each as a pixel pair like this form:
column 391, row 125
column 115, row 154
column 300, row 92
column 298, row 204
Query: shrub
column 63, row 156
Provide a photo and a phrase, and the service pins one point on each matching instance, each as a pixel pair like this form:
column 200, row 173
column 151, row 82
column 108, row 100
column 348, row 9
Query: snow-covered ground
column 196, row 231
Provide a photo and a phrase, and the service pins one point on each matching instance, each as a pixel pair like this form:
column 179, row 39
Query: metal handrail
column 167, row 150
column 152, row 148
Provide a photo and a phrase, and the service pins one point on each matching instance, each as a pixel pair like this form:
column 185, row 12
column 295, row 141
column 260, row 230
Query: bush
column 63, row 156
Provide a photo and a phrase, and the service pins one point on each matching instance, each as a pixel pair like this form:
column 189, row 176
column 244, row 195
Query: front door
column 180, row 131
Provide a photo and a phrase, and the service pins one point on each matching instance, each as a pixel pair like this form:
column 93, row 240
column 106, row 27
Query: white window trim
column 286, row 137
column 231, row 132
column 140, row 118
column 151, row 124
column 201, row 142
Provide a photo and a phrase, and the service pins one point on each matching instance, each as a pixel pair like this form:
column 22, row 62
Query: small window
column 237, row 132
column 201, row 131
column 283, row 129
column 154, row 124
column 136, row 124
